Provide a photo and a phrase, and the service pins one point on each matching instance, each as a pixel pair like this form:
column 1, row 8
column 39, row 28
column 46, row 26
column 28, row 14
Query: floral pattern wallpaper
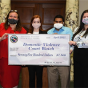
column 72, row 14
column 71, row 21
column 4, row 9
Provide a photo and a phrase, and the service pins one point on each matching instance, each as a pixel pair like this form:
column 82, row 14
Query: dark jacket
column 42, row 32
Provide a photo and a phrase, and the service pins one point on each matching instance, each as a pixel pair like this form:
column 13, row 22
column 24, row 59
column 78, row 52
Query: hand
column 4, row 36
column 29, row 33
column 71, row 51
column 55, row 33
column 72, row 43
column 23, row 65
column 41, row 65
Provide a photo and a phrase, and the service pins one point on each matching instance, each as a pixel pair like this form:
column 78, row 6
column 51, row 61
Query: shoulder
column 23, row 30
column 2, row 26
column 2, row 29
column 75, row 30
column 66, row 28
column 50, row 31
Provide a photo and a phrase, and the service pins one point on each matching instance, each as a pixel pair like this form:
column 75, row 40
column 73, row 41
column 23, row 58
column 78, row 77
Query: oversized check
column 42, row 49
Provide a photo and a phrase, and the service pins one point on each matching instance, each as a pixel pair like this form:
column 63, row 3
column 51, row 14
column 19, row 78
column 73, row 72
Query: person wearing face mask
column 35, row 28
column 80, row 52
column 55, row 71
column 9, row 74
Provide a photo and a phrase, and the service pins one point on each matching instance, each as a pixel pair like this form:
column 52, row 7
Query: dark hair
column 59, row 16
column 31, row 27
column 18, row 26
column 81, row 27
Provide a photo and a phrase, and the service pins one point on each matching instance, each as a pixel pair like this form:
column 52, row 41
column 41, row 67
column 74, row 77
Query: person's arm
column 72, row 43
column 50, row 31
column 82, row 44
column 23, row 31
column 4, row 36
column 0, row 33
column 71, row 33
column 75, row 30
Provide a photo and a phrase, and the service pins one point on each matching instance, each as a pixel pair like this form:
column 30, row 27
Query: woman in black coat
column 35, row 28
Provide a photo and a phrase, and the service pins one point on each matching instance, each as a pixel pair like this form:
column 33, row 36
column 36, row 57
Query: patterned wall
column 5, row 6
column 71, row 21
column 72, row 14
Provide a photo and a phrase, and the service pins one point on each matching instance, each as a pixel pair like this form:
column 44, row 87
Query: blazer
column 42, row 32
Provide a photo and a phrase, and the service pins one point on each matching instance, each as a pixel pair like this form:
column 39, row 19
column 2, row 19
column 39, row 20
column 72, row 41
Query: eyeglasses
column 13, row 10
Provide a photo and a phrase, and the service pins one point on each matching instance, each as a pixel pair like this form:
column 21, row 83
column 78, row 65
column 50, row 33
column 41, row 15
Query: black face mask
column 12, row 21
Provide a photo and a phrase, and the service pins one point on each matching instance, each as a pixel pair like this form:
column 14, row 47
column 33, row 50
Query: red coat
column 4, row 43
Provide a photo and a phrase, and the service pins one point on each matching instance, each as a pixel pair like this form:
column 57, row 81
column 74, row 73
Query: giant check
column 42, row 49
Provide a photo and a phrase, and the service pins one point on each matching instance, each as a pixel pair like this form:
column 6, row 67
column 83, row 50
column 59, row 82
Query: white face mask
column 36, row 25
column 58, row 25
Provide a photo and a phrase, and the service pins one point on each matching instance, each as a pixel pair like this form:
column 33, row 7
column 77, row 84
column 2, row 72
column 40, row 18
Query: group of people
column 9, row 74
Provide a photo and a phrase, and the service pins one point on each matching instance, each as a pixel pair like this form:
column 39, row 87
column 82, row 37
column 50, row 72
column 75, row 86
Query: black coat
column 42, row 32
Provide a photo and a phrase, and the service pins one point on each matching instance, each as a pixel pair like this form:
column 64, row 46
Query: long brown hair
column 18, row 26
column 31, row 27
column 81, row 27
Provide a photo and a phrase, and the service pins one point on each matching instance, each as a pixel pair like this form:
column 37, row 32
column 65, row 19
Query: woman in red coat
column 9, row 74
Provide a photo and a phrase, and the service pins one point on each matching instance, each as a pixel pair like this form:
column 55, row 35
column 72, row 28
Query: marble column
column 72, row 21
column 72, row 14
column 5, row 6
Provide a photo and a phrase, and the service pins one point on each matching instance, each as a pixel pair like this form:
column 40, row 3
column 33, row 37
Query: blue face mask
column 85, row 20
column 12, row 21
